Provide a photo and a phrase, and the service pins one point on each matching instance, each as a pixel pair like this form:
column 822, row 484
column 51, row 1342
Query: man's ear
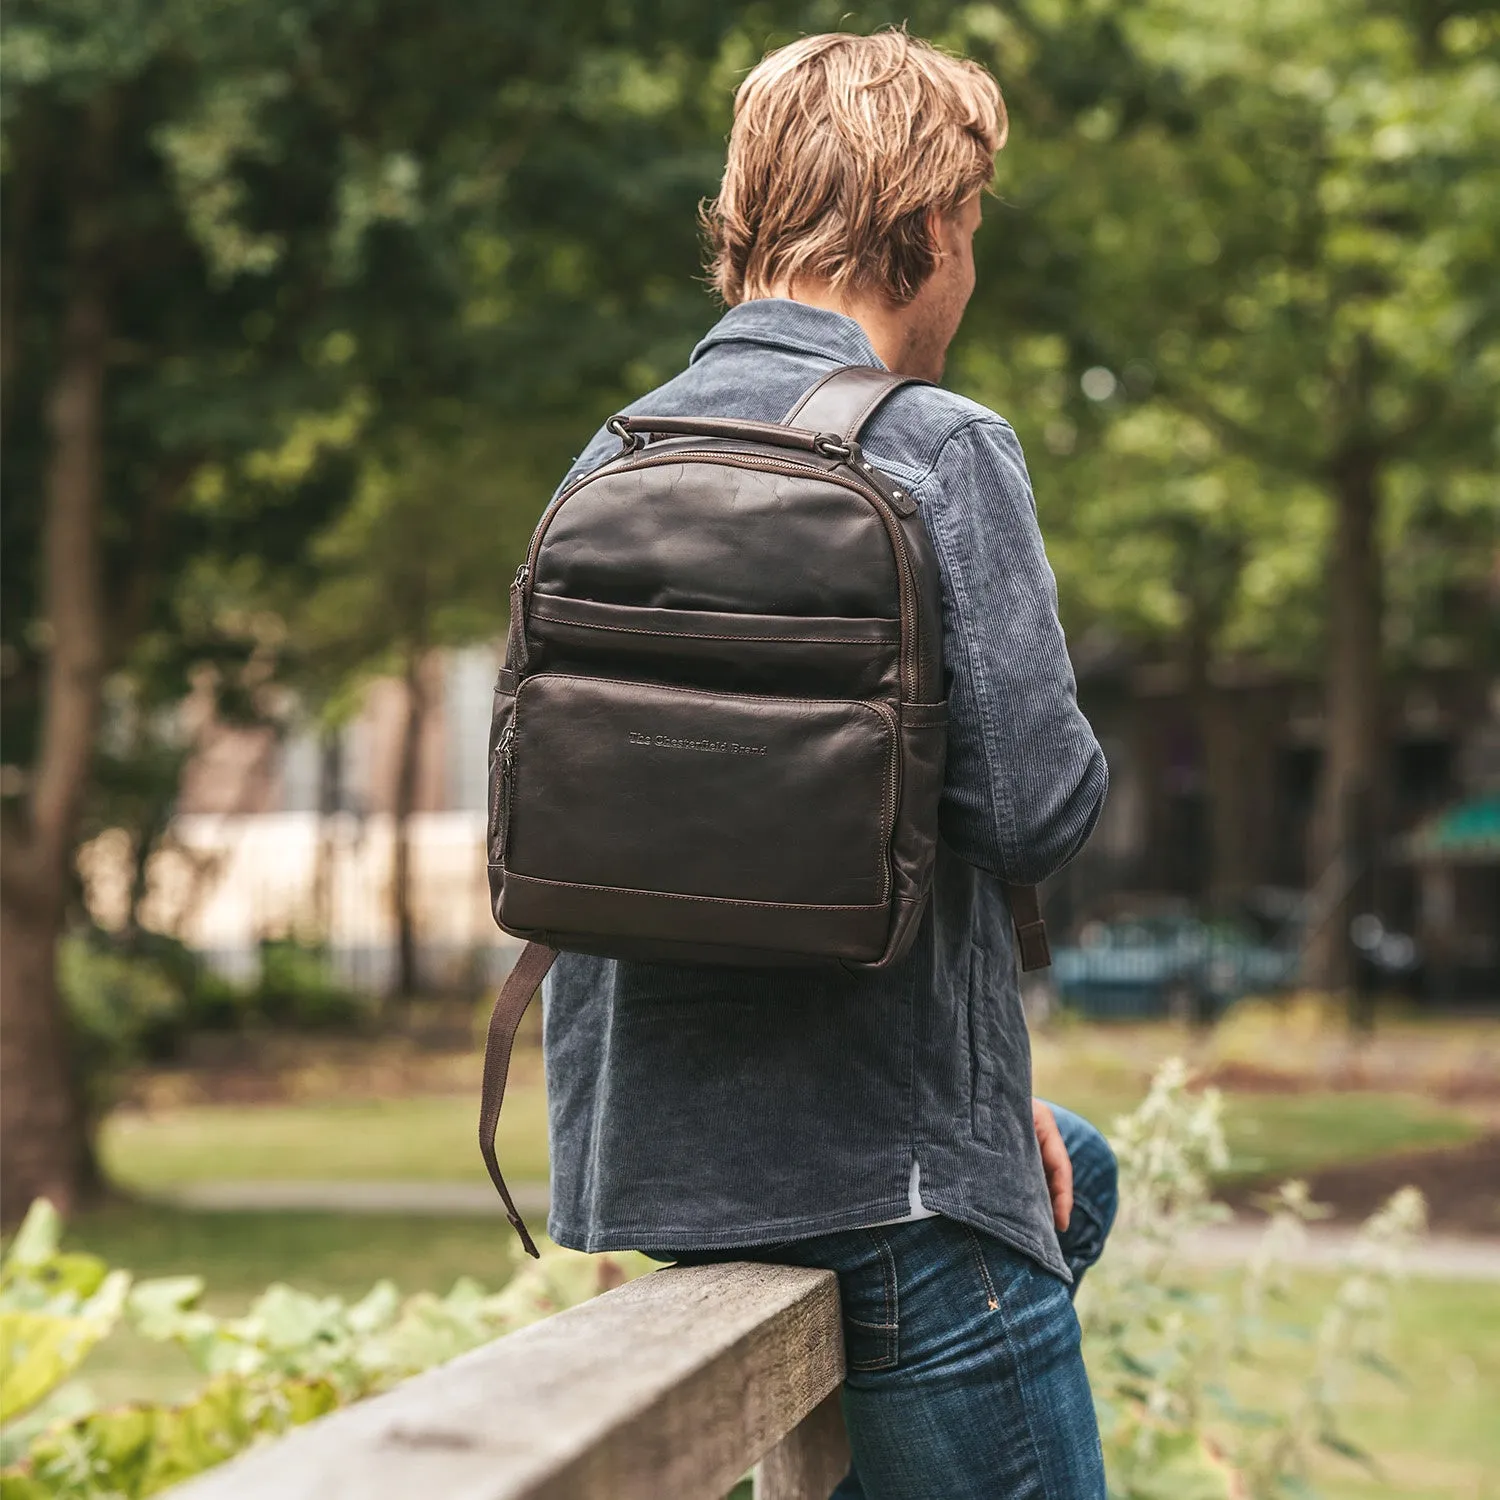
column 937, row 236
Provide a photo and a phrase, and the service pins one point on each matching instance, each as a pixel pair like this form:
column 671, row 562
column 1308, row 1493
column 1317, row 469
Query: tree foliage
column 1255, row 248
column 305, row 307
column 258, row 258
column 1242, row 289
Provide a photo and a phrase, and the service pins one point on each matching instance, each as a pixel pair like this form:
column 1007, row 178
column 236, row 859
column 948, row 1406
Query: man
column 879, row 1125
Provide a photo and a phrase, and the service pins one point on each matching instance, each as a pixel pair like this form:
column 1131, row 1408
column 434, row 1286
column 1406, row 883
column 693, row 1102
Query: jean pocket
column 871, row 1305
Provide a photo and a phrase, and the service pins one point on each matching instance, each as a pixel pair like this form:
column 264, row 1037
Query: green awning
column 1468, row 832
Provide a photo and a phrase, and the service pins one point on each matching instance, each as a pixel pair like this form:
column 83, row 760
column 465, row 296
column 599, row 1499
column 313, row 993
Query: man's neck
column 889, row 329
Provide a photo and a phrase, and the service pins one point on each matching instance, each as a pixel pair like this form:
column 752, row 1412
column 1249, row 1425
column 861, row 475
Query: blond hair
column 842, row 147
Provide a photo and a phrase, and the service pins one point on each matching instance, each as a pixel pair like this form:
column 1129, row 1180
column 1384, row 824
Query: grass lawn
column 432, row 1138
column 1290, row 1134
column 418, row 1139
column 238, row 1254
column 1436, row 1437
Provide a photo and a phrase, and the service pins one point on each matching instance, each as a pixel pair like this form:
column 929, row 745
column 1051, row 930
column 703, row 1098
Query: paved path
column 457, row 1198
column 1451, row 1257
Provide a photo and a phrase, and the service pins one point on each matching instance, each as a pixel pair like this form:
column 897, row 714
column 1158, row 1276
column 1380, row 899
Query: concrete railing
column 669, row 1388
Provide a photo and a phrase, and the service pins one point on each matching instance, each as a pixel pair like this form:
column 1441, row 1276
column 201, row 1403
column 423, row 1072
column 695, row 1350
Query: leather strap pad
column 845, row 399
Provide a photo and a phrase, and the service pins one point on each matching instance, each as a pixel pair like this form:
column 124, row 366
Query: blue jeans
column 965, row 1378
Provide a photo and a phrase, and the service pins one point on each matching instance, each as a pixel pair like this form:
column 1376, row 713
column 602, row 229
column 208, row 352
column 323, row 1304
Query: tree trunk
column 44, row 1142
column 1352, row 757
column 330, row 795
column 406, row 800
column 44, row 1135
column 1207, row 589
column 1224, row 763
column 146, row 840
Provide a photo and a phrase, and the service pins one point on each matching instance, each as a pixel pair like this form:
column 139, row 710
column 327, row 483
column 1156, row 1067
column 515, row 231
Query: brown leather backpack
column 719, row 734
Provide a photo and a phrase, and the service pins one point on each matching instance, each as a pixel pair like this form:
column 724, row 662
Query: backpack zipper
column 893, row 794
column 501, row 809
column 882, row 508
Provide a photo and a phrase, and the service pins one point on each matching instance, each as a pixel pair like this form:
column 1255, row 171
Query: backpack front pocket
column 711, row 818
column 778, row 654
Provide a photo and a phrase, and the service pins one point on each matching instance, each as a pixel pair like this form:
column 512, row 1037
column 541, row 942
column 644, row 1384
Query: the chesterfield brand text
column 709, row 747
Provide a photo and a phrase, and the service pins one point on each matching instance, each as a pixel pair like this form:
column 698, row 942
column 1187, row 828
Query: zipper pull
column 516, row 655
column 501, row 813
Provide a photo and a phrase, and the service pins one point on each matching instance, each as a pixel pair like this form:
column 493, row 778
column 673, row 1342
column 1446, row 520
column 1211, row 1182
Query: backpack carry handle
column 633, row 431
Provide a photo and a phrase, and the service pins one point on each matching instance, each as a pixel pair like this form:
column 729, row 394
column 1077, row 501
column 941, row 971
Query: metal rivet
column 899, row 495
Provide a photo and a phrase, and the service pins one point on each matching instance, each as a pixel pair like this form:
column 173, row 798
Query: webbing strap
column 1031, row 931
column 510, row 1005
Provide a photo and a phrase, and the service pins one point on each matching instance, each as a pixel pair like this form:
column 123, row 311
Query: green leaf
column 73, row 1274
column 17, row 1483
column 1337, row 1443
column 162, row 1308
column 309, row 1399
column 288, row 1319
column 200, row 1433
column 120, row 1442
column 36, row 1241
column 1372, row 1359
column 375, row 1309
column 1296, row 1486
column 38, row 1351
column 66, row 1403
column 162, row 1294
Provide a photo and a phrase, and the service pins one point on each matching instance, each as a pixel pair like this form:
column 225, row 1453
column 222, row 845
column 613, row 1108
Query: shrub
column 1169, row 1357
column 141, row 1003
column 291, row 1357
column 297, row 988
column 212, row 1002
column 124, row 1008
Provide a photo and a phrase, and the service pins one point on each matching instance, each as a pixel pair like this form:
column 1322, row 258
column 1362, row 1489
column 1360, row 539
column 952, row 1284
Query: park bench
column 668, row 1388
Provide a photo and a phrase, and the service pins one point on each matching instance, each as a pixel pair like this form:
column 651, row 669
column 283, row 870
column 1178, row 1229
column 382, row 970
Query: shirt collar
column 780, row 323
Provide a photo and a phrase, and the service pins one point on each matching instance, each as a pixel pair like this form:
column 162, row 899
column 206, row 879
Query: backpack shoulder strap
column 842, row 402
column 1031, row 930
column 845, row 399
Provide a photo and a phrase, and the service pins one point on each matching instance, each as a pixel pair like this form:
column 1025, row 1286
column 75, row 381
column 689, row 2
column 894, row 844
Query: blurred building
column 295, row 836
column 1163, row 843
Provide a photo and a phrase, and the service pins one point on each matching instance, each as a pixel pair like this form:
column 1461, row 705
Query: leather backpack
column 718, row 737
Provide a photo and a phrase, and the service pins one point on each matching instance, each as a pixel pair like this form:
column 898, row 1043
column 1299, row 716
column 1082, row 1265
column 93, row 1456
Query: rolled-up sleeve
column 1026, row 778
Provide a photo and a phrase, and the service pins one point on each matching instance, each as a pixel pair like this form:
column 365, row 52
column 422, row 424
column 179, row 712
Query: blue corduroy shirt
column 700, row 1108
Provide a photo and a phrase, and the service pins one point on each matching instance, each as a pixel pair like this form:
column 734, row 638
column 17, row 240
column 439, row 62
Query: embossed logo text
column 706, row 747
